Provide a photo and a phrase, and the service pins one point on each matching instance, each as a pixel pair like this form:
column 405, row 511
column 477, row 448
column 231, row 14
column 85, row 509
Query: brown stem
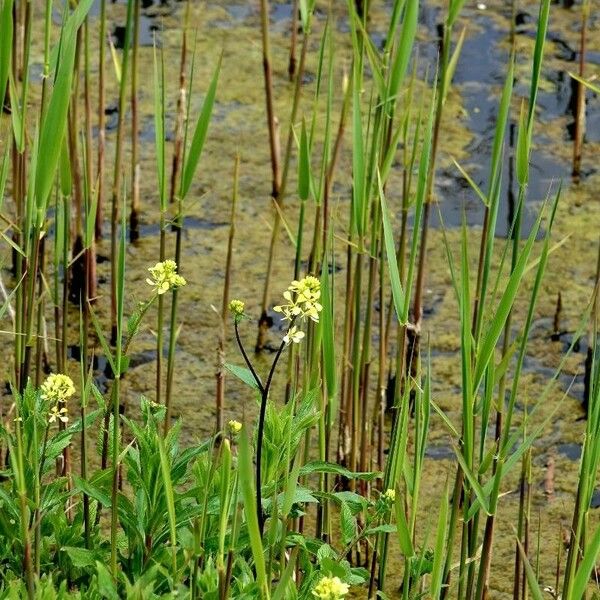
column 225, row 302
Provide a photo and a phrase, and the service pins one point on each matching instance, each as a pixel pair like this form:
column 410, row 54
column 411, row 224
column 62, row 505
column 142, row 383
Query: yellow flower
column 389, row 495
column 294, row 335
column 234, row 426
column 236, row 307
column 165, row 277
column 57, row 388
column 330, row 588
column 302, row 300
column 61, row 414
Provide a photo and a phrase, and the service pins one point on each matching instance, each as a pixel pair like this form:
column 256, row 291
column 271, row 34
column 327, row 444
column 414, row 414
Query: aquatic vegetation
column 388, row 437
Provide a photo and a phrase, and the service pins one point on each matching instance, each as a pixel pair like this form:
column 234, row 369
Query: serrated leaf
column 243, row 374
column 80, row 557
column 321, row 466
column 348, row 524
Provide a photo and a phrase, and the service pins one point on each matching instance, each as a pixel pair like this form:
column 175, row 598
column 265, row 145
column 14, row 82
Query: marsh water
column 239, row 128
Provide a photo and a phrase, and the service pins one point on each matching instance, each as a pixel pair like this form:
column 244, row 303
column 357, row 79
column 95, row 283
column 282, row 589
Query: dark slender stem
column 260, row 435
column 247, row 360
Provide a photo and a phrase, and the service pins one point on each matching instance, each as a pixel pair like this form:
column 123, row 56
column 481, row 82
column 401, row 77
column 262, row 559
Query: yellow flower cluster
column 302, row 300
column 294, row 335
column 389, row 495
column 58, row 414
column 58, row 389
column 330, row 588
column 234, row 427
column 165, row 277
column 236, row 308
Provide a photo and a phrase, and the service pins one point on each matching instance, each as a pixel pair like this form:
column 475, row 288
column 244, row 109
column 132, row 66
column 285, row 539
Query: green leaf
column 286, row 588
column 80, row 557
column 16, row 114
column 588, row 84
column 472, row 184
column 243, row 374
column 247, row 488
column 390, row 251
column 328, row 339
column 92, row 490
column 439, row 554
column 6, row 27
column 451, row 68
column 321, row 466
column 195, row 151
column 404, row 536
column 479, row 492
column 404, row 49
column 165, row 469
column 159, row 128
column 106, row 584
column 523, row 145
column 55, row 121
column 304, row 165
column 385, row 528
column 348, row 524
column 582, row 576
column 534, row 586
column 486, row 349
column 358, row 155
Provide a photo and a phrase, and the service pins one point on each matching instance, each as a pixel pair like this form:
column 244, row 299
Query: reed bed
column 310, row 473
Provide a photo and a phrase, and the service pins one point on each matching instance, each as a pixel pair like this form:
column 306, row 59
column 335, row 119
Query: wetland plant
column 320, row 487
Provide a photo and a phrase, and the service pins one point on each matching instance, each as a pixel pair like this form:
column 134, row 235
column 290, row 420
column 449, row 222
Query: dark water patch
column 111, row 121
column 378, row 38
column 440, row 452
column 150, row 8
column 573, row 385
column 148, row 37
column 595, row 503
column 479, row 76
column 235, row 15
column 102, row 371
column 36, row 71
column 142, row 358
column 332, row 268
column 281, row 12
column 568, row 339
column 522, row 19
column 240, row 12
column 570, row 451
column 153, row 229
column 308, row 77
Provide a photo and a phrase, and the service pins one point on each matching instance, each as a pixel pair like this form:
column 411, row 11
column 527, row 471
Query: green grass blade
column 492, row 336
column 159, row 128
column 358, row 155
column 584, row 570
column 398, row 295
column 439, row 555
column 532, row 582
column 165, row 468
column 304, row 165
column 6, row 27
column 55, row 120
column 328, row 336
column 199, row 137
column 247, row 486
column 403, row 52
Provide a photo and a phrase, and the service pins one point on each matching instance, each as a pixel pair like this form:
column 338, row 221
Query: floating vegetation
column 419, row 416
